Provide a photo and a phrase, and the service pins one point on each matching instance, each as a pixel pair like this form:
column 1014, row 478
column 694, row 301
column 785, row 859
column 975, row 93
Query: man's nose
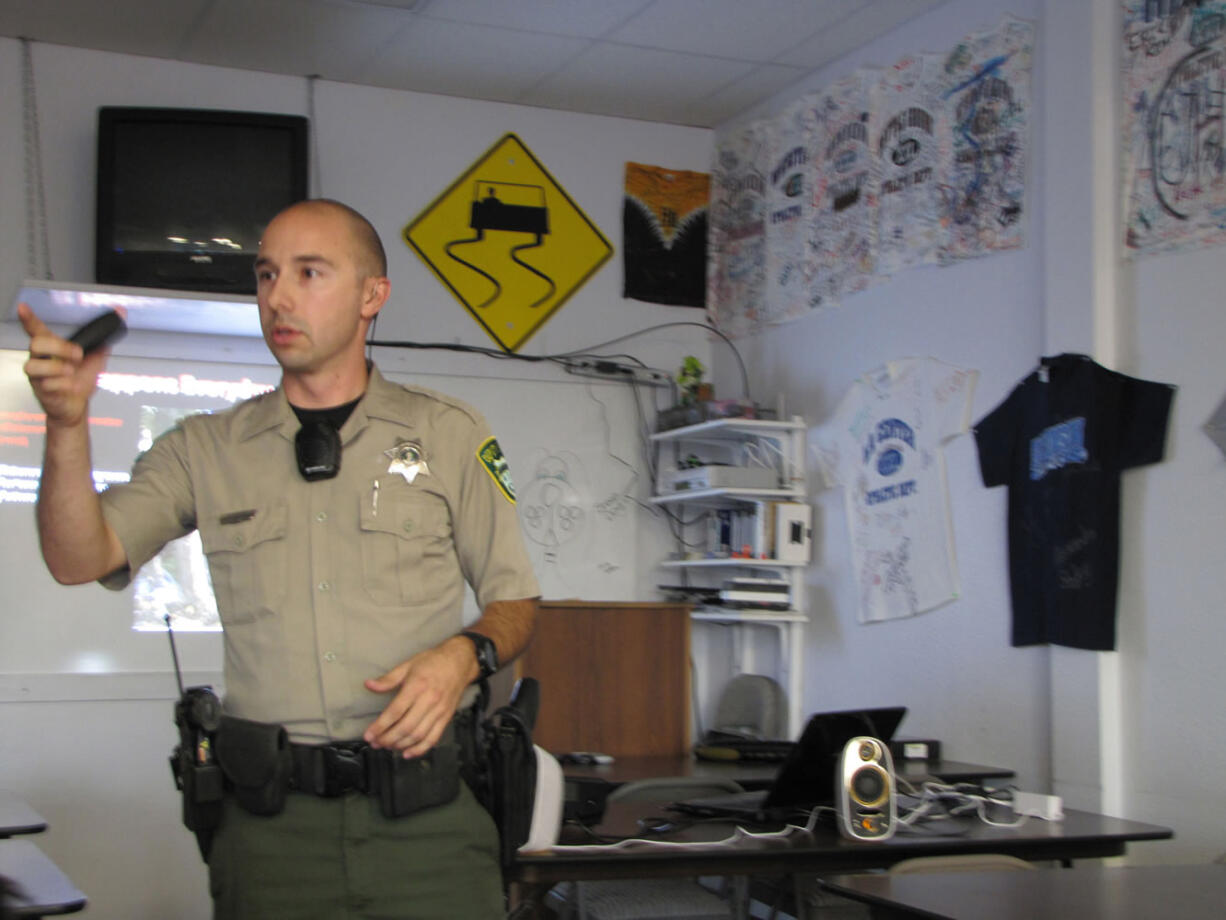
column 278, row 294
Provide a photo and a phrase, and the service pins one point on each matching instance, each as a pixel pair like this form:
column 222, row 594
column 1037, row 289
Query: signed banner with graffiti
column 736, row 271
column 922, row 163
column 789, row 214
column 1174, row 80
column 843, row 234
column 911, row 142
column 987, row 101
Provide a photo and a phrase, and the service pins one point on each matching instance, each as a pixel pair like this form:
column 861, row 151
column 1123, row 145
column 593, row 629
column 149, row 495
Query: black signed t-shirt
column 1059, row 441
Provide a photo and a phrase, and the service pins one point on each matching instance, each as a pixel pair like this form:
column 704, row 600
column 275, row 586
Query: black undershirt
column 336, row 416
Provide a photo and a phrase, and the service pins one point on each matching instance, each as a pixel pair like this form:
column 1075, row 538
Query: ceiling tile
column 636, row 82
column 123, row 26
column 576, row 18
column 694, row 62
column 303, row 37
column 469, row 60
column 761, row 83
column 854, row 31
column 747, row 31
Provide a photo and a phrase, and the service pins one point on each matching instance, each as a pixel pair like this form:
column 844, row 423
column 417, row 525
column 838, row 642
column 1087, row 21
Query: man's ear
column 375, row 291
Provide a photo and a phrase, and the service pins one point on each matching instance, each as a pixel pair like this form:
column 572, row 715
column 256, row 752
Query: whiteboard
column 573, row 445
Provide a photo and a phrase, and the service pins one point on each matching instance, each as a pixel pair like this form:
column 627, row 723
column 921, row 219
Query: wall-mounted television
column 184, row 194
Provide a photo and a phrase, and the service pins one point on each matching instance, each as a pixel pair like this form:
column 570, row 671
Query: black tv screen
column 184, row 194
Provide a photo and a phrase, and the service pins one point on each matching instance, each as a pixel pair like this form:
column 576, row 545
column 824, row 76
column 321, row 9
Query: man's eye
column 264, row 275
column 310, row 273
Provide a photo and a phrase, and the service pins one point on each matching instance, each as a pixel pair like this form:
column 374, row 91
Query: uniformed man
column 341, row 515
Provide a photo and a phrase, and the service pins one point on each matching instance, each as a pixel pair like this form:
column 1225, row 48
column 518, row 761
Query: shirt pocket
column 406, row 542
column 248, row 561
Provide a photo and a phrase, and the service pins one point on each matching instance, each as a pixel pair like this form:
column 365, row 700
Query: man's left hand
column 427, row 691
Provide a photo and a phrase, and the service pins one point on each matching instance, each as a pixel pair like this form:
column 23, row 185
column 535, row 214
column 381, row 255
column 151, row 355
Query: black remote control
column 99, row 331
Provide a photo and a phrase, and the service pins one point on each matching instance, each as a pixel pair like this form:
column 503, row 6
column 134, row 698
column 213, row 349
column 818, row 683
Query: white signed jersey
column 883, row 445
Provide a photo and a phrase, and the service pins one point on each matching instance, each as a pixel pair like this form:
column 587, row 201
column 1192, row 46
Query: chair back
column 754, row 706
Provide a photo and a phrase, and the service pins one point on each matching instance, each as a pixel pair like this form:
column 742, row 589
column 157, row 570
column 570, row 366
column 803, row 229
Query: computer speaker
column 865, row 794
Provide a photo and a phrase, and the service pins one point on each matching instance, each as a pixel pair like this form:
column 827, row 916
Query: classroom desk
column 17, row 817
column 1081, row 835
column 45, row 889
column 1104, row 893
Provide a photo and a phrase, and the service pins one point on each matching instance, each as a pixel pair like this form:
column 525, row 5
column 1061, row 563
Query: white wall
column 953, row 666
column 1138, row 733
column 1172, row 630
column 89, row 751
column 1156, row 318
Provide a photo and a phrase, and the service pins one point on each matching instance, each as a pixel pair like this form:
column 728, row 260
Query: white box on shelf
column 793, row 531
column 696, row 478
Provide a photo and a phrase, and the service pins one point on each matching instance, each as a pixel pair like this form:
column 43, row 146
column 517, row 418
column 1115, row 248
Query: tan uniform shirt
column 324, row 584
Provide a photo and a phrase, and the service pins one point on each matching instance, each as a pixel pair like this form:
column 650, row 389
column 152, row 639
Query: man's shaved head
column 369, row 254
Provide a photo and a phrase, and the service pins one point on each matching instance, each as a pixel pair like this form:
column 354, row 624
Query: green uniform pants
column 339, row 858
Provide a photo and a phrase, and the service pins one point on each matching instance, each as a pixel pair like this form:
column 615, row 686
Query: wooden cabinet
column 614, row 677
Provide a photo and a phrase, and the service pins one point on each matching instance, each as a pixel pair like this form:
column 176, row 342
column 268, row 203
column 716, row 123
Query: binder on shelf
column 764, row 530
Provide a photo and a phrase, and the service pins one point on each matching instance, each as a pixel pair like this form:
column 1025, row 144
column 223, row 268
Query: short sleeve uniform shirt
column 1059, row 441
column 321, row 585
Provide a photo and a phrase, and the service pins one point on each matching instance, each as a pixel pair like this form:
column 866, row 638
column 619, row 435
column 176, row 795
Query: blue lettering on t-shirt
column 1058, row 446
column 888, row 429
column 889, row 493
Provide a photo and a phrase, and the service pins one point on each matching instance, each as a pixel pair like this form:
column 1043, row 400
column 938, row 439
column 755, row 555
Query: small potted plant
column 693, row 388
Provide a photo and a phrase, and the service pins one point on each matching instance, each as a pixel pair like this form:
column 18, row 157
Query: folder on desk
column 806, row 777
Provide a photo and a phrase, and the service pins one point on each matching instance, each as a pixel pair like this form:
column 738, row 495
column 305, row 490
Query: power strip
column 1038, row 805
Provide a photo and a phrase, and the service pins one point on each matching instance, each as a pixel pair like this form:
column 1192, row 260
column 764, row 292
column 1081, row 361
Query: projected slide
column 137, row 399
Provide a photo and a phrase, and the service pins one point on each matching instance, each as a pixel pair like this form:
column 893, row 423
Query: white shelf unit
column 784, row 443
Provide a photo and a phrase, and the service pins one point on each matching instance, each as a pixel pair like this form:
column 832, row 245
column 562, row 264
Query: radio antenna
column 174, row 653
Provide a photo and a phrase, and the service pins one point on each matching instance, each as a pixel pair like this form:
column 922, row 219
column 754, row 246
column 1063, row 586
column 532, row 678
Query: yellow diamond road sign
column 508, row 242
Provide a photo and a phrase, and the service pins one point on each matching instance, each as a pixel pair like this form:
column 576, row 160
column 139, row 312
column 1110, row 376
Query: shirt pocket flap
column 407, row 517
column 239, row 531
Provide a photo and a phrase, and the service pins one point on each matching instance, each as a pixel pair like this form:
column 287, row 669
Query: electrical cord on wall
column 571, row 358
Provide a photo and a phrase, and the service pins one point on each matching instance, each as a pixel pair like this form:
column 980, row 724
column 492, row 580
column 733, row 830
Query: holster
column 193, row 764
column 509, row 766
column 201, row 786
column 470, row 736
column 255, row 758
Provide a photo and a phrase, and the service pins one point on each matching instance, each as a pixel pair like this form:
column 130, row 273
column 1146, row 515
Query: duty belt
column 338, row 767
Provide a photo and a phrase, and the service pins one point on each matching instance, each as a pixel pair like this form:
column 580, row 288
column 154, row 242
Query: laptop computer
column 806, row 776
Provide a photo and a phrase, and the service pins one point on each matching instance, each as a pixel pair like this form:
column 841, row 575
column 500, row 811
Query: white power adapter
column 1038, row 805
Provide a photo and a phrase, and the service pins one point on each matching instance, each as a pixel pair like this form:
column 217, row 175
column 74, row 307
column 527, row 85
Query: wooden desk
column 1082, row 835
column 1103, row 893
column 17, row 817
column 45, row 889
column 615, row 677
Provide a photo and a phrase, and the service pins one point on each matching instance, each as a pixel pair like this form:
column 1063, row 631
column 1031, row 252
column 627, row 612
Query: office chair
column 649, row 899
column 754, row 706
